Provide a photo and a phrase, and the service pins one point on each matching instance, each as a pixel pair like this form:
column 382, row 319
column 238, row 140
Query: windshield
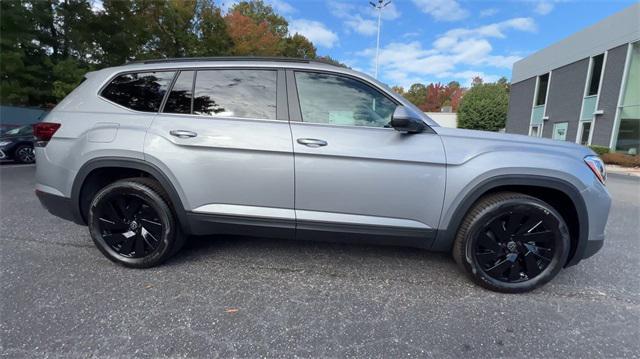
column 23, row 130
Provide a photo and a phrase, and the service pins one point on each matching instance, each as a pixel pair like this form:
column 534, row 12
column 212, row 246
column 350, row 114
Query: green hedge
column 600, row 150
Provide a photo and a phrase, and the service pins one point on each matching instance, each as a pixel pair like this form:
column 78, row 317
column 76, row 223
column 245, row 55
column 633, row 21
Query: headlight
column 597, row 166
column 4, row 143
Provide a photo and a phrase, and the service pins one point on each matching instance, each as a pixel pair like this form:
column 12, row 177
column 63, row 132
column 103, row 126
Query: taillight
column 43, row 131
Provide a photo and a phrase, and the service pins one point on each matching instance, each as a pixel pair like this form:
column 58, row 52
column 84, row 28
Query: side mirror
column 404, row 120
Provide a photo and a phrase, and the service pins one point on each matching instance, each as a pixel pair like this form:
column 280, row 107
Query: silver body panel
column 256, row 168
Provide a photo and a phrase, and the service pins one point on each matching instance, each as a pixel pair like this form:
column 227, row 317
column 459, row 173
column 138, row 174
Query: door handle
column 182, row 133
column 312, row 142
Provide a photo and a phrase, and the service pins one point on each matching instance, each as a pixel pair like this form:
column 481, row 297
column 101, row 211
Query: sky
column 439, row 40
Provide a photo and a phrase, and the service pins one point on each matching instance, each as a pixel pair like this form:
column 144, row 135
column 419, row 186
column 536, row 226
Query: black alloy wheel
column 516, row 245
column 25, row 154
column 511, row 242
column 129, row 225
column 132, row 223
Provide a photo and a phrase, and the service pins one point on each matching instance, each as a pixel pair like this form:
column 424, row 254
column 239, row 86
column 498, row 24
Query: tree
column 331, row 61
column 417, row 94
column 484, row 107
column 476, row 80
column 260, row 13
column 46, row 46
column 298, row 46
column 398, row 89
column 122, row 32
column 250, row 38
column 214, row 35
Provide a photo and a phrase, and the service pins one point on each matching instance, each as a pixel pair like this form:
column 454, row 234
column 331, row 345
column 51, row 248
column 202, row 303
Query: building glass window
column 560, row 131
column 585, row 131
column 628, row 135
column 543, row 84
column 596, row 74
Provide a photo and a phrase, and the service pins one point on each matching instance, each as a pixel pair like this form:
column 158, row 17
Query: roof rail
column 226, row 58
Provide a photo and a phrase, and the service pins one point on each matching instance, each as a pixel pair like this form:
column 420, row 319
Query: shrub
column 600, row 150
column 484, row 107
column 621, row 159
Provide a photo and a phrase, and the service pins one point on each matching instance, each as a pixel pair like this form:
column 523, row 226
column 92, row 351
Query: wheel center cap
column 512, row 246
column 133, row 225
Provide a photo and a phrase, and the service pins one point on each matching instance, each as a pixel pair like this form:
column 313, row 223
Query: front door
column 355, row 174
column 224, row 143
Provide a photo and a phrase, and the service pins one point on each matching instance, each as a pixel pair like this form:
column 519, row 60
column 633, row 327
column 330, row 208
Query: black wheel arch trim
column 445, row 237
column 130, row 163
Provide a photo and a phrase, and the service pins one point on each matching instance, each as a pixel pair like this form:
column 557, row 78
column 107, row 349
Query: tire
column 24, row 154
column 512, row 243
column 132, row 223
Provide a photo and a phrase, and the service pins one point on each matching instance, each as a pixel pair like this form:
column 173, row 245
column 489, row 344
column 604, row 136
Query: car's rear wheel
column 132, row 223
column 25, row 154
column 511, row 242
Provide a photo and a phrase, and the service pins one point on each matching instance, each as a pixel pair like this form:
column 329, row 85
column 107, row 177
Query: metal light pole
column 379, row 6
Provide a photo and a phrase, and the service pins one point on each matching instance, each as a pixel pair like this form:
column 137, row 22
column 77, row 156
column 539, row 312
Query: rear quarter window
column 141, row 91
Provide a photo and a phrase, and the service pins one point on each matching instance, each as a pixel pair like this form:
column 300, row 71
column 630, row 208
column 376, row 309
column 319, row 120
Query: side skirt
column 208, row 224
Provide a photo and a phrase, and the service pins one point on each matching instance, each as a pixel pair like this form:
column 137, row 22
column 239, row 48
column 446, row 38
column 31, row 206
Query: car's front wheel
column 511, row 242
column 132, row 223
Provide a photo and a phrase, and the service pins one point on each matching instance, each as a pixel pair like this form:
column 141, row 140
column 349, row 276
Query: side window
column 236, row 93
column 181, row 95
column 341, row 101
column 139, row 91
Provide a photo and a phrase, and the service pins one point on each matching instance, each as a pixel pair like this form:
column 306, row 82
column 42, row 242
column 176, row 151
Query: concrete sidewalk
column 629, row 171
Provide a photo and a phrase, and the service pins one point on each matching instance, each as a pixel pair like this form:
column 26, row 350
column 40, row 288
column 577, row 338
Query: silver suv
column 148, row 153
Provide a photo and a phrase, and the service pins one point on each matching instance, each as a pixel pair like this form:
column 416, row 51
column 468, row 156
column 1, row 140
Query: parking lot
column 249, row 297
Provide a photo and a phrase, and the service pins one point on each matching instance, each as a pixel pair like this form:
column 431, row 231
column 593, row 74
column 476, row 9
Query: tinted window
column 236, row 93
column 179, row 100
column 341, row 101
column 543, row 84
column 596, row 72
column 139, row 91
column 24, row 130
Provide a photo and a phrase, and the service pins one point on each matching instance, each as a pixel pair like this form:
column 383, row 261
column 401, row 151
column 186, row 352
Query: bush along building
column 585, row 88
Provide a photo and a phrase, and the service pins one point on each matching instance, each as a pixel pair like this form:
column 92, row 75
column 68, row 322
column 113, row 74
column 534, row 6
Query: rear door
column 223, row 137
column 353, row 172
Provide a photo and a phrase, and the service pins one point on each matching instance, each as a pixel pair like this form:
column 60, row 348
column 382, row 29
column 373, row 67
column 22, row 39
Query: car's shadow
column 324, row 258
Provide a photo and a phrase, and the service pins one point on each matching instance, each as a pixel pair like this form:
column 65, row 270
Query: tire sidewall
column 561, row 244
column 152, row 199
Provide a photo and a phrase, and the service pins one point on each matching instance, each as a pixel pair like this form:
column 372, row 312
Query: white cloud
column 281, row 7
column 442, row 10
column 411, row 34
column 543, row 7
column 362, row 18
column 495, row 30
column 488, row 12
column 467, row 76
column 453, row 54
column 361, row 26
column 315, row 31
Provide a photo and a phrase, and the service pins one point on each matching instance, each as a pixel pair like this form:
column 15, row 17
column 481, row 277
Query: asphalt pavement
column 252, row 297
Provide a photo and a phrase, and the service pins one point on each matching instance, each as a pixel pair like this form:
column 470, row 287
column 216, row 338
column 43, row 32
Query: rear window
column 142, row 91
